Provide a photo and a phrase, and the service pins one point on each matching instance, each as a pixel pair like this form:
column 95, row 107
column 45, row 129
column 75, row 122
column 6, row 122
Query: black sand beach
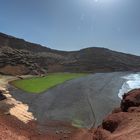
column 76, row 100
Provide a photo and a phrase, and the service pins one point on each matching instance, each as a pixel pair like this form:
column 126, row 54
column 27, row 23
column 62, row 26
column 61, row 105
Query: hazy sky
column 74, row 24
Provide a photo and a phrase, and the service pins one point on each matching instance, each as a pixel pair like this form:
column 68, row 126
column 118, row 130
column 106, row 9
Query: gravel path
column 75, row 100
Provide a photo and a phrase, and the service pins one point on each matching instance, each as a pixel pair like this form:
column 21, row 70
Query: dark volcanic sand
column 72, row 100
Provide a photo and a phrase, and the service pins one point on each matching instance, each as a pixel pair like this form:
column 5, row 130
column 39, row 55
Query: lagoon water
column 132, row 82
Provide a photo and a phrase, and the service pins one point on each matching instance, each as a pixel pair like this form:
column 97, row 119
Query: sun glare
column 105, row 1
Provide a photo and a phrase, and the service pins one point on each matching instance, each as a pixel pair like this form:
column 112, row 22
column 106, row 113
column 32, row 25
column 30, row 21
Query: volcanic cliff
column 18, row 56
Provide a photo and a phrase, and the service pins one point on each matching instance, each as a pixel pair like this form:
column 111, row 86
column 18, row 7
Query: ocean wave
column 132, row 82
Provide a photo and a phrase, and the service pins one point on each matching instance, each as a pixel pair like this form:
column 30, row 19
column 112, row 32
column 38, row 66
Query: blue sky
column 74, row 24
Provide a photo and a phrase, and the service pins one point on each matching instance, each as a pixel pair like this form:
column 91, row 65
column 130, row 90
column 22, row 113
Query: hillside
column 18, row 56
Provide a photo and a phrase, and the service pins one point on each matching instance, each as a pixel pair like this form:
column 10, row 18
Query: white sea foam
column 132, row 82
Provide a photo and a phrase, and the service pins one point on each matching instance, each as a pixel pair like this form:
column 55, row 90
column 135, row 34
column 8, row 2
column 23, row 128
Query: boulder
column 2, row 97
column 131, row 99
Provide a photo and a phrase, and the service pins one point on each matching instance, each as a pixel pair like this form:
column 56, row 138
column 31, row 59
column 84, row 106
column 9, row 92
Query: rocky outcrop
column 122, row 124
column 18, row 62
column 131, row 99
column 2, row 97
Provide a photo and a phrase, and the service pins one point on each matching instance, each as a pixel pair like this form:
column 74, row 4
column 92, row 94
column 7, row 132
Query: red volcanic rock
column 134, row 109
column 122, row 124
column 131, row 99
column 112, row 122
column 128, row 127
column 101, row 134
column 117, row 110
column 2, row 97
column 125, row 124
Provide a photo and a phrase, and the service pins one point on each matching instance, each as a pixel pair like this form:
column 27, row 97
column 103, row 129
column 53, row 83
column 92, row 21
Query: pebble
column 7, row 113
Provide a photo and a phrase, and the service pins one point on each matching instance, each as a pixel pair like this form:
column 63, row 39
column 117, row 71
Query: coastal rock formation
column 123, row 123
column 131, row 99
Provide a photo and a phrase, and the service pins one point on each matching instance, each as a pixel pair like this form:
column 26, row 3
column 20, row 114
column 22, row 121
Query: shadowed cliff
column 18, row 56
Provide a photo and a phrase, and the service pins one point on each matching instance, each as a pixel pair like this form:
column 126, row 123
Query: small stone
column 68, row 132
column 7, row 113
column 6, row 92
column 57, row 132
column 65, row 136
column 61, row 131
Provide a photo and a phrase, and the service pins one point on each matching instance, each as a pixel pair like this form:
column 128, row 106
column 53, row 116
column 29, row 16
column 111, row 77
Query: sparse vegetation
column 40, row 84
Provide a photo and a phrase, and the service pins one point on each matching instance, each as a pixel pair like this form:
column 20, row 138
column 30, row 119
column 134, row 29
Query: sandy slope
column 14, row 107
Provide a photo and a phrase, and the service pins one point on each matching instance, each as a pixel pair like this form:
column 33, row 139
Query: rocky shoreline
column 122, row 124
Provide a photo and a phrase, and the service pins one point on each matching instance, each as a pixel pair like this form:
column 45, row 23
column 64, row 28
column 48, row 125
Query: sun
column 96, row 0
column 107, row 2
column 104, row 1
